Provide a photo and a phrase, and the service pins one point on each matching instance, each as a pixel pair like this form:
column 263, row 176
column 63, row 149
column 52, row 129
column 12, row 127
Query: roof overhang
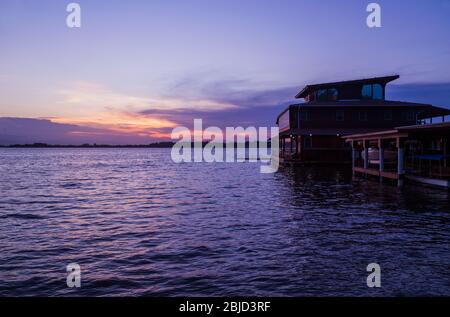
column 388, row 134
column 399, row 132
column 432, row 112
column 382, row 80
column 444, row 126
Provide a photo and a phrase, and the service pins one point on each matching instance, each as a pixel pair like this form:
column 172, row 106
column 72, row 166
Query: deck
column 415, row 160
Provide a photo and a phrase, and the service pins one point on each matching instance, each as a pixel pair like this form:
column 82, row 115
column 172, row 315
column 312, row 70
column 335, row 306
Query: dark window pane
column 367, row 92
column 333, row 94
column 340, row 115
column 304, row 116
column 322, row 95
column 410, row 116
column 387, row 115
column 377, row 92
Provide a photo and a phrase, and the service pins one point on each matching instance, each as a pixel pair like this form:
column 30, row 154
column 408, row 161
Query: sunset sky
column 136, row 69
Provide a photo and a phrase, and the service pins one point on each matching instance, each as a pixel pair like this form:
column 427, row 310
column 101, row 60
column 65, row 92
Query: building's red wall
column 326, row 118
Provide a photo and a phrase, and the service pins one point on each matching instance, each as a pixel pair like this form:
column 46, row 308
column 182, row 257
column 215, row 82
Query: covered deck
column 419, row 153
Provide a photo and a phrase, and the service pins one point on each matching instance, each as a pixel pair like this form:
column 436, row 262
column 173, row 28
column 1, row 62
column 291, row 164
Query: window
column 310, row 98
column 322, row 95
column 409, row 116
column 372, row 91
column 367, row 92
column 333, row 94
column 377, row 92
column 287, row 145
column 363, row 116
column 339, row 115
column 308, row 142
column 283, row 122
column 304, row 115
column 436, row 145
column 387, row 115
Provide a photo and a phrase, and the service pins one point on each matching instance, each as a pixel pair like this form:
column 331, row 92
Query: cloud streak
column 91, row 97
column 255, row 103
column 27, row 131
column 220, row 103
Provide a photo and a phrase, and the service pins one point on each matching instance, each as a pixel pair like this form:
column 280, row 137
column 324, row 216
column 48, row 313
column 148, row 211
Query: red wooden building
column 311, row 132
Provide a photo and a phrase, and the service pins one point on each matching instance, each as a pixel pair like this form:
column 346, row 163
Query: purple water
column 138, row 224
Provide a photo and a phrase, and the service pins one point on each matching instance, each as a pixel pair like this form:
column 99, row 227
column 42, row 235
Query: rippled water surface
column 139, row 224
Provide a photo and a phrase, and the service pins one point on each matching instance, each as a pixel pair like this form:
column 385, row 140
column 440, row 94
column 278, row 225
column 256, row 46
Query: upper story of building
column 362, row 89
column 353, row 106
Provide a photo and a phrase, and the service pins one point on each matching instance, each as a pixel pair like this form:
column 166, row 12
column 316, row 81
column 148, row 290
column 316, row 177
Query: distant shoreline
column 84, row 146
column 157, row 145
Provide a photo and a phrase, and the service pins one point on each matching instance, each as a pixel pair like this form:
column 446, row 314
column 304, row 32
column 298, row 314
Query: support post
column 366, row 154
column 445, row 152
column 381, row 157
column 353, row 157
column 291, row 145
column 300, row 147
column 400, row 162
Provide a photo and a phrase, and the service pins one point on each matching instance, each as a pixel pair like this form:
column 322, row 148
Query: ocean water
column 140, row 225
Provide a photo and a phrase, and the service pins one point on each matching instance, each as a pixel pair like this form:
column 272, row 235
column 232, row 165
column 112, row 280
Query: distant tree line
column 87, row 145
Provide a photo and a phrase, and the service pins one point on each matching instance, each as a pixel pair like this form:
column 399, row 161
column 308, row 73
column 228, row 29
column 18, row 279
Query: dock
column 418, row 153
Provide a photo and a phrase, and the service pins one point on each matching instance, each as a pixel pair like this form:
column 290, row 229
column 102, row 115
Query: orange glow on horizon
column 121, row 123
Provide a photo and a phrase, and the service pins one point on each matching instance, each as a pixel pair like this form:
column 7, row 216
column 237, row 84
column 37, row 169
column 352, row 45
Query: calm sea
column 138, row 224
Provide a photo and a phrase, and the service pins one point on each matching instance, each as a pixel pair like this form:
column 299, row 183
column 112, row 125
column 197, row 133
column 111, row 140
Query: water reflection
column 140, row 225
